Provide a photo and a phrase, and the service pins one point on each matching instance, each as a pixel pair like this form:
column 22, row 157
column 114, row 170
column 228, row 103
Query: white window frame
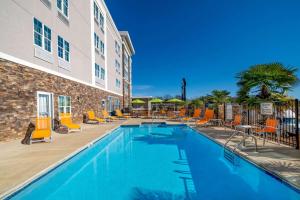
column 102, row 75
column 118, row 67
column 61, row 9
column 65, row 104
column 63, row 49
column 117, row 48
column 97, row 72
column 102, row 48
column 118, row 83
column 96, row 15
column 97, row 41
column 42, row 37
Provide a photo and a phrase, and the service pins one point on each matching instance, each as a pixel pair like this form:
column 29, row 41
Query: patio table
column 247, row 132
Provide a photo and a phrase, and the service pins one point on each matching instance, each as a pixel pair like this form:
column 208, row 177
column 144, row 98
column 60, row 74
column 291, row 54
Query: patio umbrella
column 175, row 101
column 138, row 101
column 155, row 100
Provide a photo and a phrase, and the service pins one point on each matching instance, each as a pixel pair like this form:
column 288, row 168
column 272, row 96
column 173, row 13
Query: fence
column 287, row 116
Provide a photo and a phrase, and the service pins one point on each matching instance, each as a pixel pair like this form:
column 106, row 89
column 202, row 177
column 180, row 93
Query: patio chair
column 42, row 130
column 91, row 117
column 181, row 114
column 171, row 115
column 107, row 116
column 208, row 115
column 196, row 115
column 269, row 128
column 66, row 120
column 237, row 121
column 120, row 114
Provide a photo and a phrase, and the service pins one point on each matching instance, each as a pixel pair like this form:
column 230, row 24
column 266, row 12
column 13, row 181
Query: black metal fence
column 286, row 114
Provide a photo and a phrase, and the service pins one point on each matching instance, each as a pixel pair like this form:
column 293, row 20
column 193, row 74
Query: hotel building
column 60, row 56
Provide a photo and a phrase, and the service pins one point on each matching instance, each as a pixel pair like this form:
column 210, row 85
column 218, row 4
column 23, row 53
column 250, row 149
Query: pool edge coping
column 275, row 175
column 14, row 190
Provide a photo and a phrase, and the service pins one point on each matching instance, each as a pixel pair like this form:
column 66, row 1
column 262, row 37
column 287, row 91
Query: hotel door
column 45, row 105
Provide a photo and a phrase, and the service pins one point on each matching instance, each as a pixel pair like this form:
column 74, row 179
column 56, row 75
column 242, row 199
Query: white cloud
column 142, row 87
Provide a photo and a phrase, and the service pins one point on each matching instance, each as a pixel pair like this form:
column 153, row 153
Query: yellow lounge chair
column 66, row 120
column 208, row 115
column 91, row 116
column 120, row 114
column 107, row 116
column 42, row 130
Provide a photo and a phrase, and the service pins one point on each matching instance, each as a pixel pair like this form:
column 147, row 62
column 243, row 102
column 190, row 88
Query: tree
column 196, row 103
column 219, row 97
column 266, row 82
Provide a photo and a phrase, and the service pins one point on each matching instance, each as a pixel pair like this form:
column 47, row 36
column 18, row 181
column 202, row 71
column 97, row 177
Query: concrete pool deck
column 19, row 163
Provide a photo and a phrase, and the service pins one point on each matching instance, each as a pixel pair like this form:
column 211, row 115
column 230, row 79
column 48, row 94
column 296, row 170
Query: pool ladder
column 235, row 133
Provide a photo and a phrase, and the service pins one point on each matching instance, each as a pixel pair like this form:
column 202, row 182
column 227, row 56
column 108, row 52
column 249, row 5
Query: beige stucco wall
column 112, row 36
column 16, row 18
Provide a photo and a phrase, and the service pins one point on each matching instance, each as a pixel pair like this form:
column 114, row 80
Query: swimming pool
column 156, row 162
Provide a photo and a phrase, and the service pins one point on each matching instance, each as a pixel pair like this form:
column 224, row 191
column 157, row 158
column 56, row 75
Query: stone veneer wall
column 18, row 97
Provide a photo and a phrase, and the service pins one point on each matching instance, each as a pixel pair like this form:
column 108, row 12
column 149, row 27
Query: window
column 63, row 6
column 117, row 48
column 118, row 83
column 102, row 51
column 64, row 104
column 102, row 75
column 63, row 49
column 42, row 35
column 96, row 12
column 97, row 70
column 126, row 74
column 101, row 22
column 98, row 16
column 96, row 41
column 125, row 59
column 126, row 88
column 118, row 67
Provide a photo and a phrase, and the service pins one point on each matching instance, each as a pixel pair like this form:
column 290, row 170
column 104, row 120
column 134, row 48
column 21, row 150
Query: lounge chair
column 66, row 120
column 182, row 113
column 91, row 117
column 171, row 115
column 237, row 121
column 120, row 115
column 208, row 115
column 107, row 116
column 269, row 128
column 196, row 115
column 42, row 130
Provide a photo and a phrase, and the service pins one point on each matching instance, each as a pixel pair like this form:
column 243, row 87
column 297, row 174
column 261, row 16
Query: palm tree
column 219, row 97
column 266, row 81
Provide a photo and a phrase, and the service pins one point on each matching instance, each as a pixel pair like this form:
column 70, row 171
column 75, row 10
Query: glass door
column 45, row 105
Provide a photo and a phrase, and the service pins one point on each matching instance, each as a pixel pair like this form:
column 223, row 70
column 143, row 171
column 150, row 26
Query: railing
column 287, row 115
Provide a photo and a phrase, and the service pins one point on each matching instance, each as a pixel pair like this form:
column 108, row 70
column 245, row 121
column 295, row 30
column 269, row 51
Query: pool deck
column 20, row 163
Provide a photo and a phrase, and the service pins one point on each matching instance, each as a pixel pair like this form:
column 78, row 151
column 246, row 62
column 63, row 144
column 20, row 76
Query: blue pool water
column 153, row 162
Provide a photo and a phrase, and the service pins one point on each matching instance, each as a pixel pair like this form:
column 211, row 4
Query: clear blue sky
column 206, row 41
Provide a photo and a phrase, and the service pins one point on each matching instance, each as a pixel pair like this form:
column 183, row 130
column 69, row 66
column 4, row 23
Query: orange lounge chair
column 237, row 121
column 120, row 114
column 66, row 120
column 196, row 115
column 208, row 115
column 91, row 116
column 42, row 130
column 107, row 116
column 269, row 128
column 171, row 115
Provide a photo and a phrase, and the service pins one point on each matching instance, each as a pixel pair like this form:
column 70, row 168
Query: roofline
column 128, row 40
